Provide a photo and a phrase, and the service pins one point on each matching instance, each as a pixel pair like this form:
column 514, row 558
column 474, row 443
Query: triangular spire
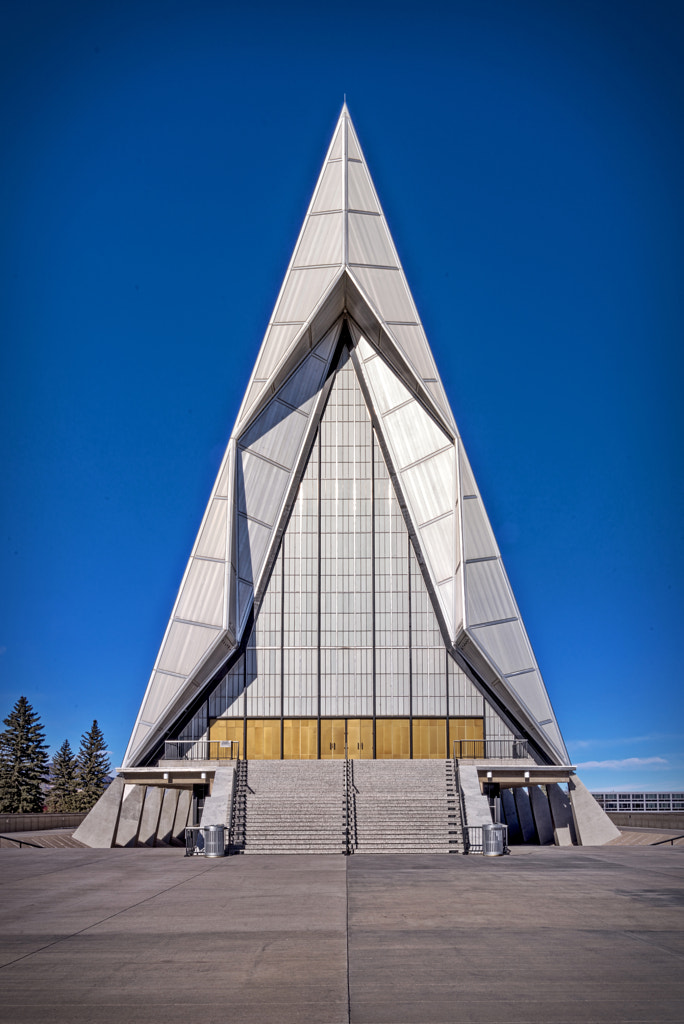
column 345, row 284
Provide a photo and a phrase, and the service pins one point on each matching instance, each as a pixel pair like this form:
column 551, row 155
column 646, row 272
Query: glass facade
column 346, row 629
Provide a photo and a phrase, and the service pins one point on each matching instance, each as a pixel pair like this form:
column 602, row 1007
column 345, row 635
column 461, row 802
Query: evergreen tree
column 93, row 768
column 63, row 794
column 23, row 761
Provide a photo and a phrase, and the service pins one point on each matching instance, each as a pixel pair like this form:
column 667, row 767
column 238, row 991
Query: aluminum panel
column 430, row 486
column 478, row 539
column 488, row 594
column 224, row 476
column 411, row 341
column 212, row 539
column 279, row 340
column 253, row 540
column 329, row 194
column 321, row 241
column 302, row 293
column 261, row 487
column 369, row 241
column 335, row 151
column 531, row 691
column 185, row 647
column 201, row 599
column 506, row 645
column 388, row 390
column 302, row 387
column 364, row 348
column 446, row 600
column 468, row 485
column 437, row 542
column 276, row 433
column 412, row 434
column 162, row 691
column 387, row 292
column 495, row 727
column 360, row 192
column 353, row 147
column 324, row 349
column 245, row 595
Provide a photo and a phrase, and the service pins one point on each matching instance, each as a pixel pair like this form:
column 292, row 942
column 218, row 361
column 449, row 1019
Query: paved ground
column 545, row 935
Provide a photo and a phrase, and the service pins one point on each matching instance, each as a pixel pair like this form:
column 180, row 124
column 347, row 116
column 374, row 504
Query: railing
column 201, row 750
column 482, row 749
column 472, row 835
column 347, row 764
column 19, row 842
column 461, row 802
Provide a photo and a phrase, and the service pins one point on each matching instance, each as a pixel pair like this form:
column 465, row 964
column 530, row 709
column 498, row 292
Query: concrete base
column 167, row 817
column 99, row 828
column 218, row 805
column 476, row 804
column 511, row 816
column 522, row 806
column 592, row 824
column 150, row 816
column 183, row 812
column 129, row 816
column 561, row 812
column 542, row 815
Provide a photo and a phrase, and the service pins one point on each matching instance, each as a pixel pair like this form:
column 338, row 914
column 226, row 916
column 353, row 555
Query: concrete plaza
column 545, row 935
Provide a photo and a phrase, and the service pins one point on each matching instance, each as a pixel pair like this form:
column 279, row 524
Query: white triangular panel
column 344, row 265
column 424, row 460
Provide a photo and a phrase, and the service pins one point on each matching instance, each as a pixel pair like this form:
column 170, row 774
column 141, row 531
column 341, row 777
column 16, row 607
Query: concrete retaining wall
column 39, row 822
column 648, row 819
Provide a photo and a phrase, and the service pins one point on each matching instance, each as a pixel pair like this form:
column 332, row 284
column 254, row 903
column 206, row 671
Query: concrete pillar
column 217, row 806
column 561, row 812
column 511, row 816
column 476, row 804
column 167, row 817
column 129, row 816
column 98, row 829
column 522, row 806
column 183, row 811
column 592, row 824
column 150, row 816
column 541, row 813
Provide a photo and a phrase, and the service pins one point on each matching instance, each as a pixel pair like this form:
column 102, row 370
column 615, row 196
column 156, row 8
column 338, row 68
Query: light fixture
column 527, row 776
column 489, row 775
column 203, row 775
column 166, row 775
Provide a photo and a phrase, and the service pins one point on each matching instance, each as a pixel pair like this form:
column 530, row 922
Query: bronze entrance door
column 359, row 738
column 332, row 738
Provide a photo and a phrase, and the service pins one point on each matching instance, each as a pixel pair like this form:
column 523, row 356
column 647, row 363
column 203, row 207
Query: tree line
column 30, row 781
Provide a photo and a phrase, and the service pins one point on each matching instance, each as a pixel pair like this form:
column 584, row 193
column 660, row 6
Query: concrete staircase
column 406, row 807
column 289, row 807
column 299, row 807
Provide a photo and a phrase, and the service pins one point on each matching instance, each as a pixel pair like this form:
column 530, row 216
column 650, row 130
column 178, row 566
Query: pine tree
column 63, row 795
column 23, row 761
column 93, row 768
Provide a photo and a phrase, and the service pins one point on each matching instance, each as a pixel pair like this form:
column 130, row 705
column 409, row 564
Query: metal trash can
column 493, row 841
column 214, row 840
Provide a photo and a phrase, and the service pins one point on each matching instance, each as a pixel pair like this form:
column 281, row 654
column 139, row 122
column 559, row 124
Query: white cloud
column 626, row 762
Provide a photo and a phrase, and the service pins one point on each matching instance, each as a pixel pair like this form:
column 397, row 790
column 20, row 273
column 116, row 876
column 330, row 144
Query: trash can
column 214, row 840
column 493, row 840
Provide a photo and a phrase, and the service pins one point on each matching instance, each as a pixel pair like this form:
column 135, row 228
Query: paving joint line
column 109, row 917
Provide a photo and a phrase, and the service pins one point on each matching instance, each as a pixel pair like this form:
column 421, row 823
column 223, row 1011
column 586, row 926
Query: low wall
column 647, row 819
column 39, row 822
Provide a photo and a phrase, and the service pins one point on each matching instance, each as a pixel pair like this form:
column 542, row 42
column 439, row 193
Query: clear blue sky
column 157, row 160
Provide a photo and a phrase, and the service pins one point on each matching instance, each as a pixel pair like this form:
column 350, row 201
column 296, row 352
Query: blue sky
column 158, row 159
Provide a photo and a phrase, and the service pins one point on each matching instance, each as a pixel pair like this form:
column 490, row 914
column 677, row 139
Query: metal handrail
column 480, row 749
column 21, row 842
column 202, row 750
column 346, row 801
column 461, row 801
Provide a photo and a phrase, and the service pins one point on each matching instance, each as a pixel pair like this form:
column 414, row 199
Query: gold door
column 470, row 732
column 263, row 739
column 332, row 738
column 300, row 738
column 225, row 738
column 360, row 738
column 429, row 738
column 392, row 738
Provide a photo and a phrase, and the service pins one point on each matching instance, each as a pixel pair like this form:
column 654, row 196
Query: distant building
column 640, row 801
